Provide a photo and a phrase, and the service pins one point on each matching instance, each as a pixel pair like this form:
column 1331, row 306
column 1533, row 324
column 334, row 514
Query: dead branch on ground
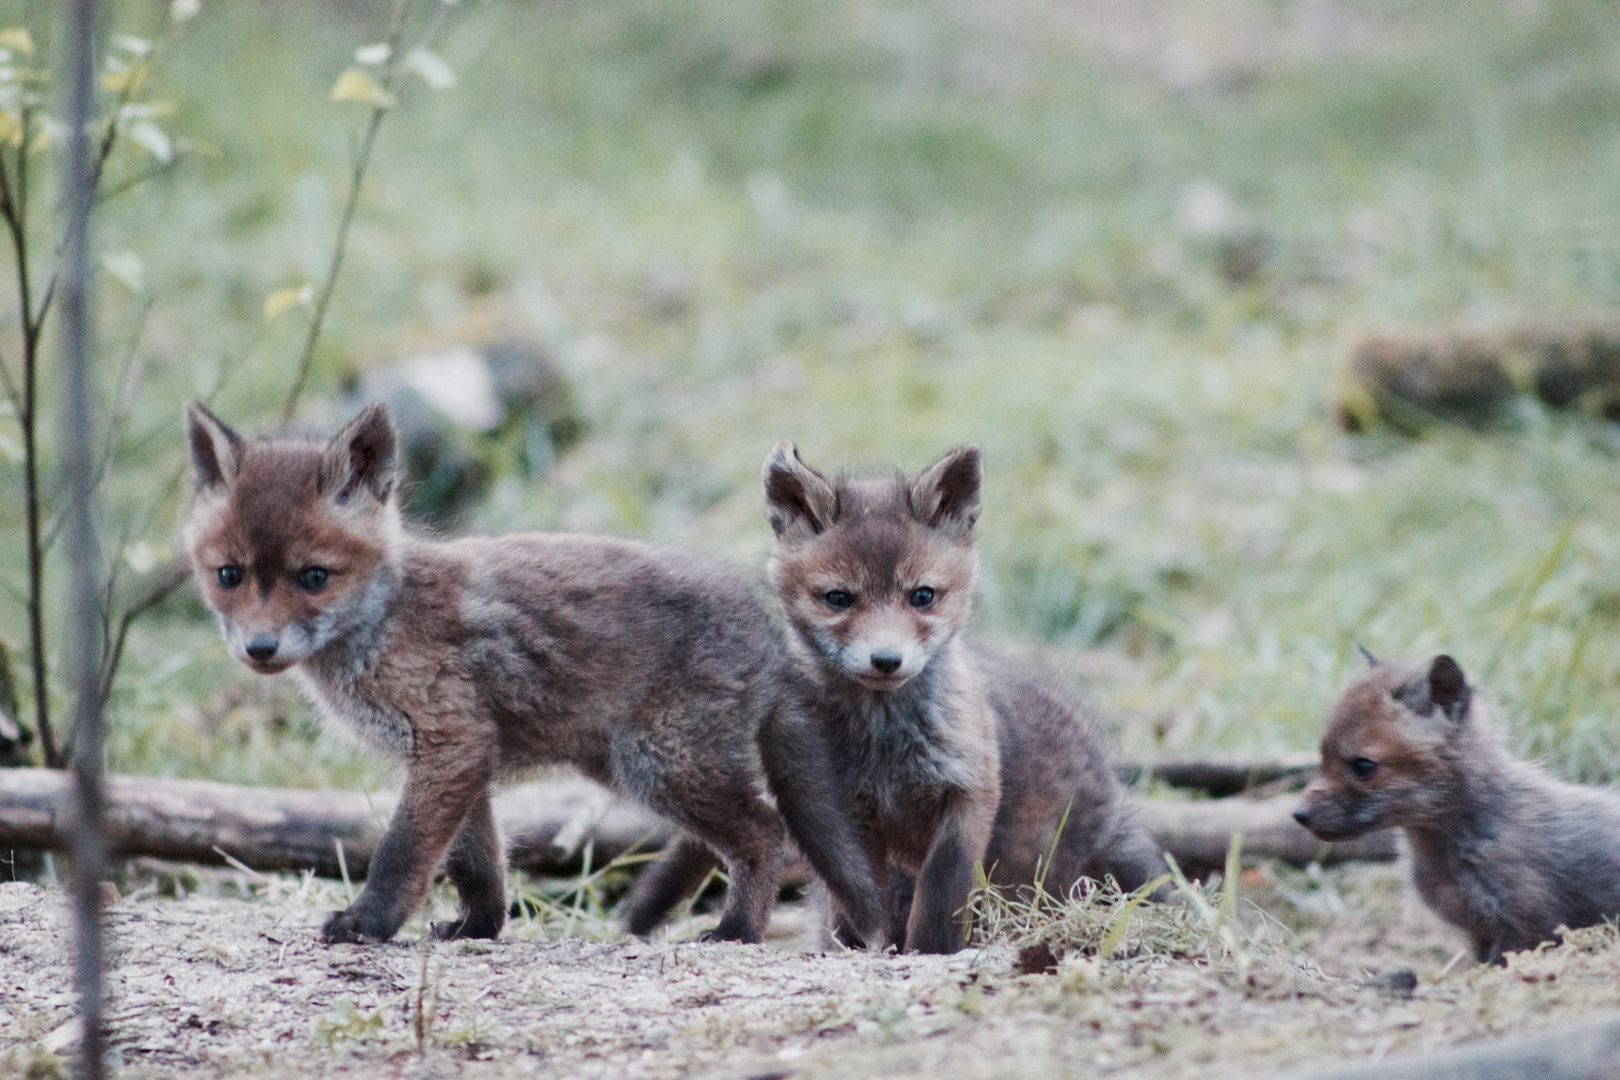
column 545, row 823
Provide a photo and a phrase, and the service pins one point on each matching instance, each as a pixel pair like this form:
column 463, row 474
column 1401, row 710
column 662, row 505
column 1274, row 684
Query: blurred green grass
column 1120, row 248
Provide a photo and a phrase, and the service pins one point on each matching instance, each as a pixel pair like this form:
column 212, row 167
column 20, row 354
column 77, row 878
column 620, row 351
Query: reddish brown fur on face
column 877, row 552
column 273, row 524
column 1368, row 723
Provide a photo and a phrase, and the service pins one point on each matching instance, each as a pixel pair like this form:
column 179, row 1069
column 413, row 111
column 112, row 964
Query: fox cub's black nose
column 262, row 647
column 1303, row 816
column 886, row 662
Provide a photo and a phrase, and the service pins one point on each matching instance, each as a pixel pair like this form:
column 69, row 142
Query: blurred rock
column 1469, row 377
column 455, row 406
column 1457, row 378
column 1218, row 230
column 1575, row 366
column 529, row 383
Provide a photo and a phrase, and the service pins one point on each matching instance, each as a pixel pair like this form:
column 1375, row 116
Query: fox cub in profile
column 654, row 672
column 1499, row 848
column 951, row 755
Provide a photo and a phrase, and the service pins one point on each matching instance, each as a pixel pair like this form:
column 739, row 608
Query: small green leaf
column 373, row 54
column 282, row 299
column 18, row 38
column 128, row 78
column 356, row 85
column 126, row 266
column 184, row 10
column 434, row 71
column 147, row 134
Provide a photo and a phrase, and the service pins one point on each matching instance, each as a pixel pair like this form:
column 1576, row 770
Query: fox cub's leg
column 712, row 793
column 889, row 883
column 901, row 888
column 438, row 796
column 477, row 867
column 937, row 922
column 676, row 875
column 815, row 807
column 751, row 845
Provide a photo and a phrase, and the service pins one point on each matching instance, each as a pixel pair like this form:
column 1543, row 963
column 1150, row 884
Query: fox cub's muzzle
column 886, row 663
column 262, row 647
column 268, row 650
column 1335, row 816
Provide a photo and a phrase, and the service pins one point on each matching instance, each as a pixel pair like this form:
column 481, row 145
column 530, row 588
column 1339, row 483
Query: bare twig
column 163, row 582
column 362, row 158
column 109, row 139
column 357, row 175
column 131, row 183
column 14, row 211
column 129, row 377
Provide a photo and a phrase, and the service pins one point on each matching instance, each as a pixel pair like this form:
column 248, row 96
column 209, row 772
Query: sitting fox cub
column 1499, row 848
column 654, row 672
column 951, row 756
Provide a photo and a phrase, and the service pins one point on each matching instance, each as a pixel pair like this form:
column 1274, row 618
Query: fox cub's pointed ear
column 215, row 448
column 1441, row 687
column 799, row 500
column 363, row 457
column 946, row 494
column 1448, row 688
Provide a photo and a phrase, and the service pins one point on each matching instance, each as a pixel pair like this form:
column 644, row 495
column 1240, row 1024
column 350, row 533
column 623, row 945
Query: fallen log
column 1198, row 833
column 547, row 824
column 1218, row 778
column 1589, row 1051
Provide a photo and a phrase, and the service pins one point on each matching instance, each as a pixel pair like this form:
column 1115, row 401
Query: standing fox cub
column 652, row 671
column 1499, row 848
column 952, row 756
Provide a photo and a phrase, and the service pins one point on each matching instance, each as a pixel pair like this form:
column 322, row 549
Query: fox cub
column 1499, row 848
column 951, row 755
column 653, row 671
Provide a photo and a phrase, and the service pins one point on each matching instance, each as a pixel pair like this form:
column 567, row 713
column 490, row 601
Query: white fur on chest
column 375, row 726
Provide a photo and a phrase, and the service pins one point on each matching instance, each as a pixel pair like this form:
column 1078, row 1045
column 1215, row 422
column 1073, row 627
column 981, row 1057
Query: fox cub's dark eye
column 838, row 599
column 1362, row 768
column 922, row 597
column 313, row 578
column 230, row 577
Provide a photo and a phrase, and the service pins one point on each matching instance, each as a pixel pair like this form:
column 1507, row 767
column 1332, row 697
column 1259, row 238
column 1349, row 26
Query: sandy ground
column 217, row 986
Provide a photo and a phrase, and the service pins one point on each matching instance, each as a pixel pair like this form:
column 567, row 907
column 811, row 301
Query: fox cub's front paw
column 343, row 927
